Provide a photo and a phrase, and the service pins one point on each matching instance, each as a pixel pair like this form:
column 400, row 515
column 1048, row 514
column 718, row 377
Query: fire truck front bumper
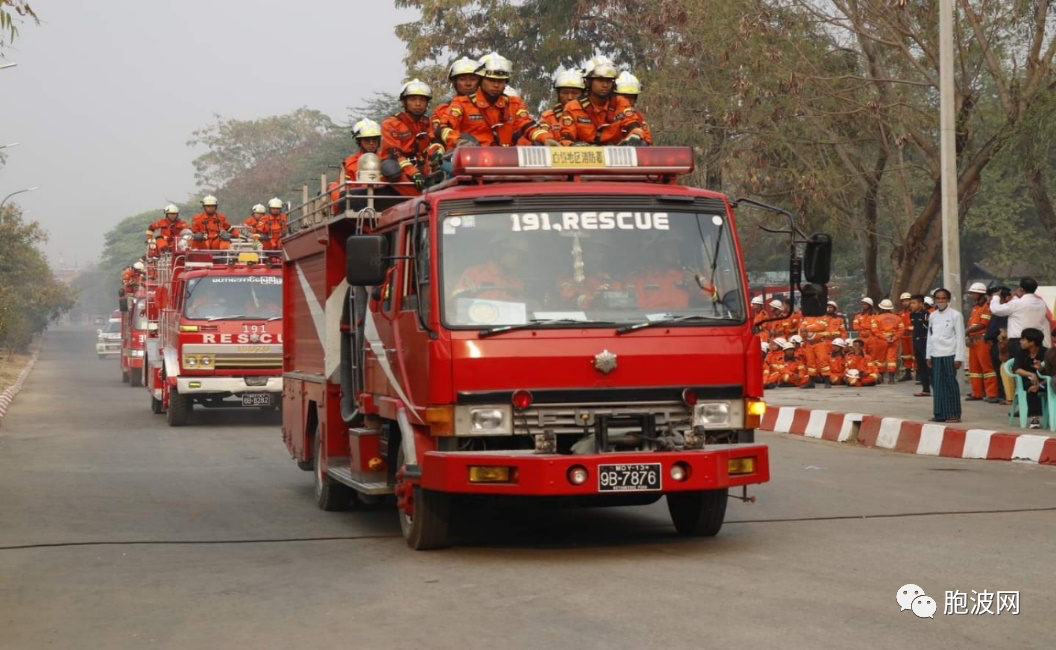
column 531, row 474
column 189, row 385
column 133, row 357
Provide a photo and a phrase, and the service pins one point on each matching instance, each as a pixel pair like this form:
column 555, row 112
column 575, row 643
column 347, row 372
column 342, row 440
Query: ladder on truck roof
column 344, row 198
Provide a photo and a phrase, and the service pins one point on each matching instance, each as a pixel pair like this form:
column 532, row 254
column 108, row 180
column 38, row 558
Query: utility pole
column 951, row 235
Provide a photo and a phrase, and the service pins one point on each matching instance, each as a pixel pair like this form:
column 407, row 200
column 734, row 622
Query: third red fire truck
column 559, row 323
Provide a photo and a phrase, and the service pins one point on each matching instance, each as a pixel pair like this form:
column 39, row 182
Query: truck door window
column 417, row 275
column 512, row 268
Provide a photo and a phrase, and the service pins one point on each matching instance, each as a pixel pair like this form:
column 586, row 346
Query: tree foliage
column 30, row 295
column 13, row 12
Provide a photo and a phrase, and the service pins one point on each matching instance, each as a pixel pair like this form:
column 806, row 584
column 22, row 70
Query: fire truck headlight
column 190, row 361
column 207, row 360
column 484, row 420
column 135, row 353
column 711, row 414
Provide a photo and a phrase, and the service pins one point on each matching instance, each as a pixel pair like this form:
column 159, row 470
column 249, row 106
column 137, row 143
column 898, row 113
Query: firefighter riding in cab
column 166, row 231
column 405, row 140
column 489, row 117
column 569, row 86
column 887, row 331
column 210, row 228
column 601, row 118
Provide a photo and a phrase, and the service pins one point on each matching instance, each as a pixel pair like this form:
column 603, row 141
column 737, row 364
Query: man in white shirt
column 1025, row 310
column 945, row 353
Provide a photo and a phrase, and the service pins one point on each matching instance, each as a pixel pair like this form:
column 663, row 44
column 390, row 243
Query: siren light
column 526, row 161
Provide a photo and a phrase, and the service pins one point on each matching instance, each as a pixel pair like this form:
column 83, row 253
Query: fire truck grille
column 561, row 418
column 256, row 362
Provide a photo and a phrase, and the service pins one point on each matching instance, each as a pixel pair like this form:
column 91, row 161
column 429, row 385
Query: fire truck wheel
column 135, row 377
column 124, row 376
column 426, row 527
column 330, row 495
column 179, row 408
column 698, row 513
column 156, row 407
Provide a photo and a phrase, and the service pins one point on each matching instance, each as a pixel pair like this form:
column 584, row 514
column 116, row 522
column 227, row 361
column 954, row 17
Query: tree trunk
column 869, row 217
column 1042, row 202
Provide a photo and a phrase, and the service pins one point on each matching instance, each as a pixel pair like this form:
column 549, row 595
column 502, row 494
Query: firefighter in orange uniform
column 908, row 359
column 816, row 346
column 170, row 227
column 464, row 81
column 863, row 323
column 887, row 332
column 981, row 373
column 368, row 138
column 271, row 226
column 500, row 277
column 595, row 280
column 569, row 85
column 489, row 117
column 405, row 139
column 774, row 364
column 837, row 324
column 601, row 118
column 210, row 228
column 628, row 87
column 794, row 372
column 663, row 284
column 837, row 362
column 865, row 369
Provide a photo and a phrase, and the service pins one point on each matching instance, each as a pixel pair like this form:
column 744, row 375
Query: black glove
column 198, row 236
column 226, row 236
column 632, row 141
column 436, row 160
column 419, row 181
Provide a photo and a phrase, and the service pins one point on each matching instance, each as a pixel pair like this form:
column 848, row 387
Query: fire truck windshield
column 571, row 269
column 234, row 297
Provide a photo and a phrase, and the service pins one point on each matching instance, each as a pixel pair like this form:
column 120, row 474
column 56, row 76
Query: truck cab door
column 412, row 339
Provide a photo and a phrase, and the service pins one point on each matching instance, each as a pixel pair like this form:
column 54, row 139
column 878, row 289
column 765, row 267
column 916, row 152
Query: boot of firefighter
column 828, row 381
column 891, row 378
column 907, row 375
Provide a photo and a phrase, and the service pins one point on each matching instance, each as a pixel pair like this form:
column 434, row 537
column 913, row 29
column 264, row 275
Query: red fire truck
column 134, row 332
column 219, row 327
column 562, row 323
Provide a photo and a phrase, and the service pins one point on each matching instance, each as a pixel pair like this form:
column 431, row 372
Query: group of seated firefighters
column 595, row 106
column 211, row 231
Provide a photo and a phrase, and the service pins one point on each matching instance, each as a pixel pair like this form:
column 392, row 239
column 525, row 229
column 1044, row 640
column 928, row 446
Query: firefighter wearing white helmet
column 628, row 87
column 569, row 85
column 210, row 228
column 272, row 226
column 367, row 133
column 464, row 81
column 166, row 230
column 887, row 333
column 981, row 372
column 489, row 117
column 601, row 117
column 909, row 362
column 405, row 140
column 863, row 323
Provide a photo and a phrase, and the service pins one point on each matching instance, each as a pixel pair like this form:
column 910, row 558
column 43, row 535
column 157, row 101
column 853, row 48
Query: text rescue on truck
column 561, row 323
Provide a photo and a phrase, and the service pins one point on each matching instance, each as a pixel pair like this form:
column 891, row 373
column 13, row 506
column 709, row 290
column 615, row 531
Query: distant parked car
column 108, row 343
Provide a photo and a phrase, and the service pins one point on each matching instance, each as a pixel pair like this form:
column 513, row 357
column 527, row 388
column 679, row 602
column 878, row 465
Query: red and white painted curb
column 910, row 437
column 8, row 395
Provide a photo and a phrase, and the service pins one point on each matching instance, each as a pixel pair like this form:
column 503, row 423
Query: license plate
column 256, row 399
column 629, row 478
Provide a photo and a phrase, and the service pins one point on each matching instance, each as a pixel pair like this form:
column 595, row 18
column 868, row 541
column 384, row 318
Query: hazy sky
column 107, row 93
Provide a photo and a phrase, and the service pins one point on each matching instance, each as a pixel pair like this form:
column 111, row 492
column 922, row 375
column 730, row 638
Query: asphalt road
column 119, row 532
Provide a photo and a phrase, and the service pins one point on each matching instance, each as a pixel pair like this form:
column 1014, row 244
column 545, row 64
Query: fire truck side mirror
column 366, row 260
column 814, row 299
column 817, row 259
column 122, row 304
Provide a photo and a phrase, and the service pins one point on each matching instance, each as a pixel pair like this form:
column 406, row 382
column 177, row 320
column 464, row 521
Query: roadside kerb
column 906, row 436
column 8, row 395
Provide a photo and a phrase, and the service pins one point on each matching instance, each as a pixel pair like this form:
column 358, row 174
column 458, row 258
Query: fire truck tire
column 699, row 513
column 426, row 529
column 156, row 407
column 135, row 377
column 330, row 495
column 179, row 408
column 124, row 376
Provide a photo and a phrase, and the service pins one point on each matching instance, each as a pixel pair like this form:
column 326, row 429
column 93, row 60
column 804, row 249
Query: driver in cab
column 500, row 278
column 663, row 283
column 594, row 279
column 206, row 303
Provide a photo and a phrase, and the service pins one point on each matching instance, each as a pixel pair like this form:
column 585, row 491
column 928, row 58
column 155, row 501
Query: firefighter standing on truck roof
column 489, row 117
column 368, row 137
column 464, row 81
column 170, row 226
column 628, row 87
column 271, row 226
column 210, row 228
column 601, row 118
column 405, row 139
column 569, row 85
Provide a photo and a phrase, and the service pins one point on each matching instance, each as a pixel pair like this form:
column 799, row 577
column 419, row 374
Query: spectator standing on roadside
column 1028, row 364
column 918, row 315
column 1024, row 310
column 945, row 357
column 995, row 334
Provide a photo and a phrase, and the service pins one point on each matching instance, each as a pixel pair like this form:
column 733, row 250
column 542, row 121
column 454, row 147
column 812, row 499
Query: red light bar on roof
column 479, row 161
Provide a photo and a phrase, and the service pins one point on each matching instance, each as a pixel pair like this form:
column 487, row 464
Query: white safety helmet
column 275, row 203
column 511, row 92
column 462, row 66
column 838, row 342
column 494, row 66
column 171, row 209
column 766, row 346
column 259, row 209
column 758, row 300
column 788, row 345
column 776, row 304
column 628, row 84
column 833, row 303
column 907, row 295
column 886, row 305
column 366, row 128
column 139, row 266
column 569, row 79
column 928, row 300
column 796, row 338
column 603, row 70
column 868, row 301
column 600, row 59
column 853, row 373
column 977, row 287
column 416, row 88
column 210, row 200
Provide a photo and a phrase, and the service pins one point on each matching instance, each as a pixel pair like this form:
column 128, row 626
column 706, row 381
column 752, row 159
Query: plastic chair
column 1019, row 403
column 1050, row 403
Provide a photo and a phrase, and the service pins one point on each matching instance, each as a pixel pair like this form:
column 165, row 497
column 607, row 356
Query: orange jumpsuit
column 764, row 330
column 599, row 124
column 794, row 373
column 406, row 140
column 437, row 119
column 981, row 372
column 489, row 281
column 170, row 231
column 869, row 372
column 211, row 227
column 660, row 288
column 551, row 119
column 817, row 344
column 271, row 228
column 583, row 294
column 837, row 368
column 887, row 330
column 909, row 361
column 863, row 324
column 499, row 124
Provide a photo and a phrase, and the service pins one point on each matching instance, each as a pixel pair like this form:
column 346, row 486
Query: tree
column 10, row 12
